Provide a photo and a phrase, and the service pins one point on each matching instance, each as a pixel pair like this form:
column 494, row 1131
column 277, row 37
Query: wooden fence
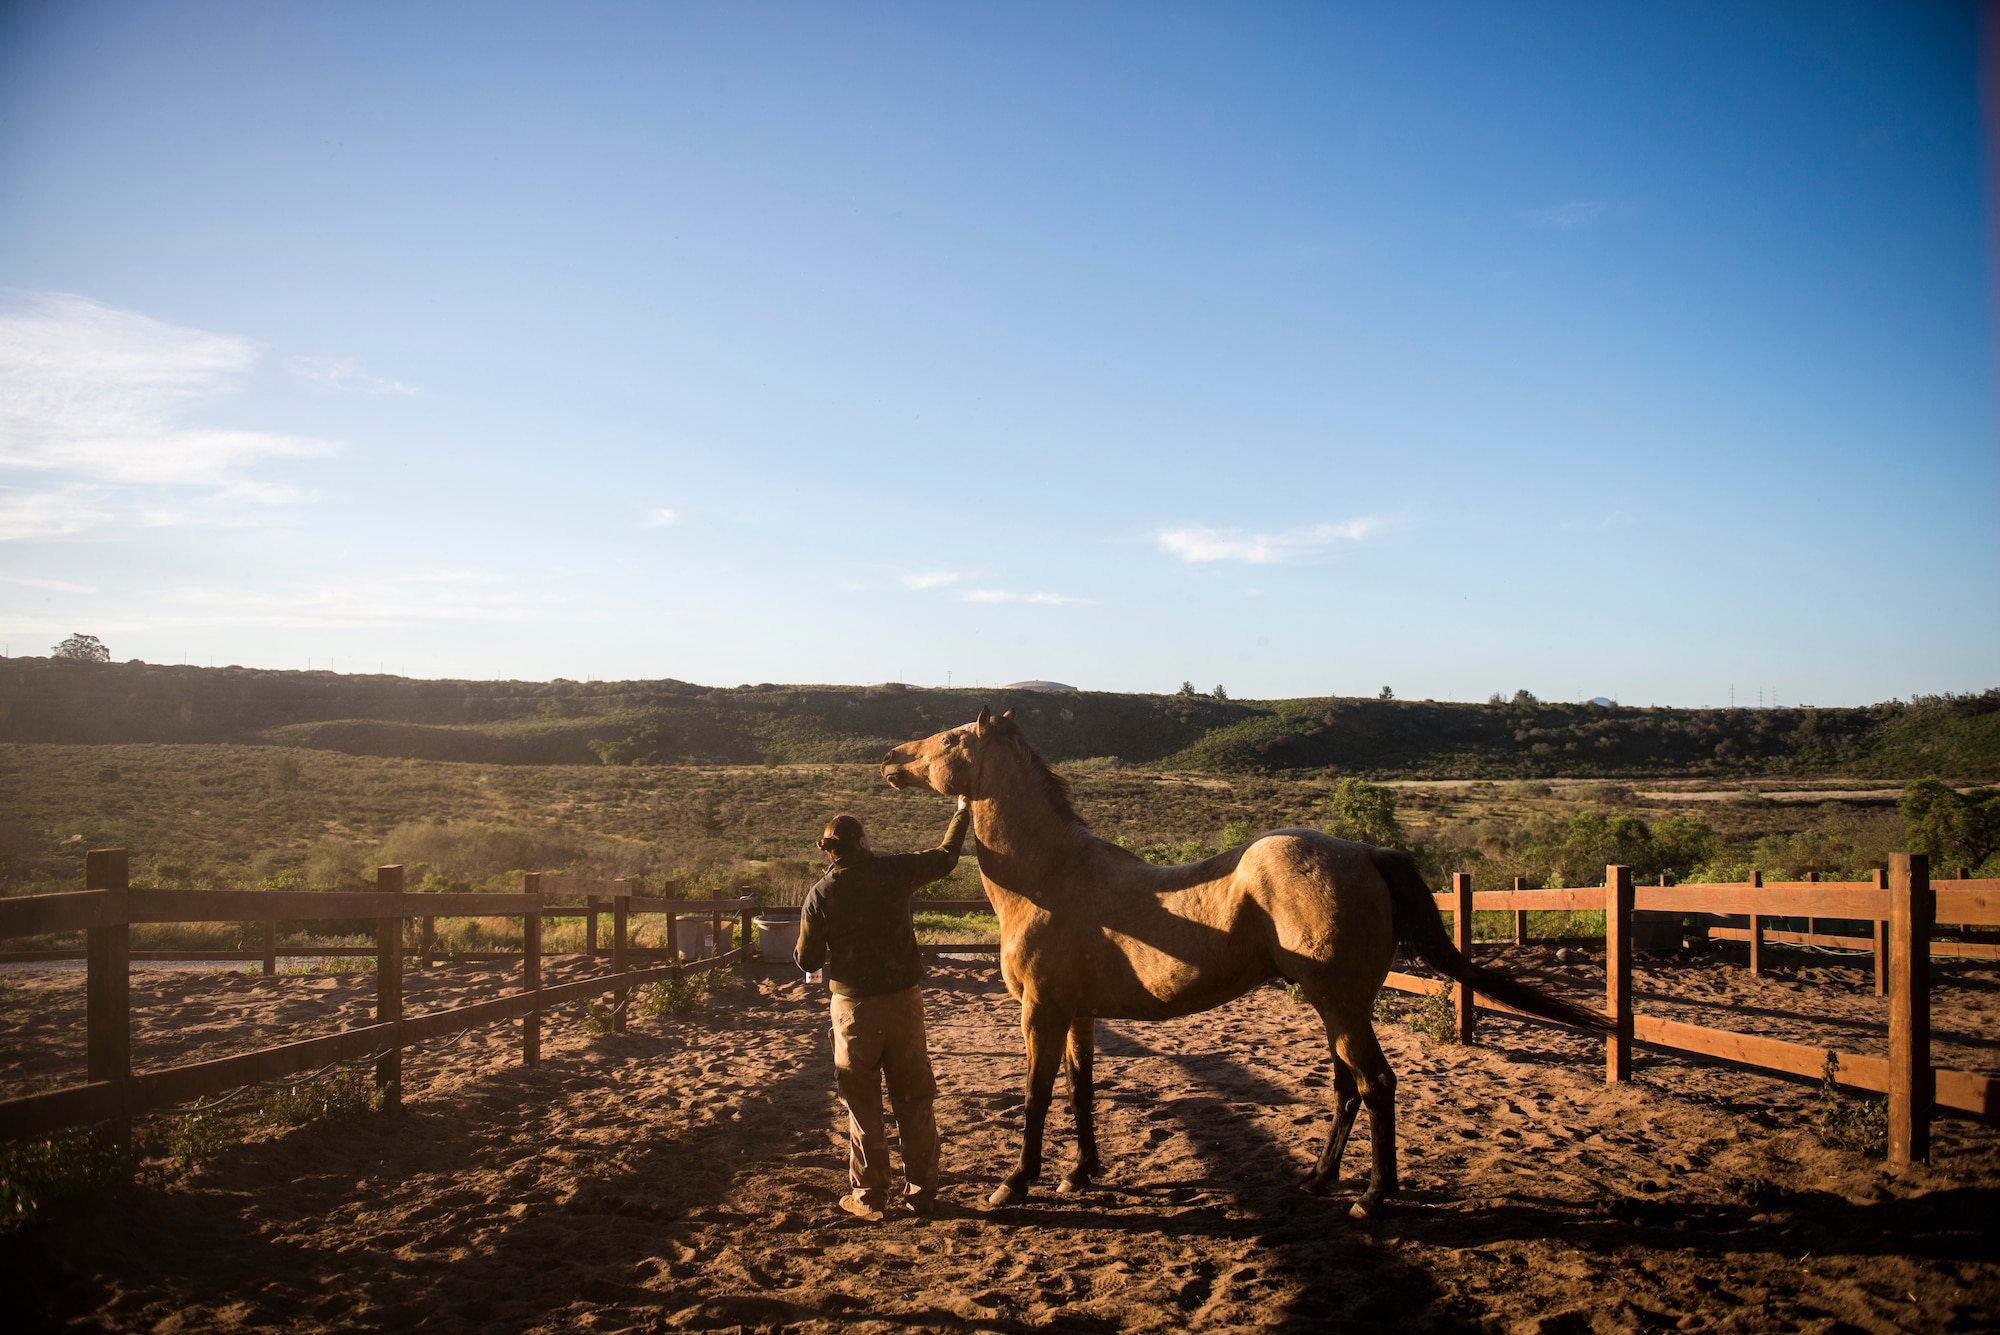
column 106, row 910
column 1901, row 902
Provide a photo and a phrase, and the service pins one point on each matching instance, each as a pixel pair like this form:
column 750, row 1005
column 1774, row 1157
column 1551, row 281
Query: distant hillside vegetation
column 675, row 722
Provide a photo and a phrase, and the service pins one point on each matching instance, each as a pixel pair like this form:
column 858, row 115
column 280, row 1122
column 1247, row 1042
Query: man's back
column 856, row 921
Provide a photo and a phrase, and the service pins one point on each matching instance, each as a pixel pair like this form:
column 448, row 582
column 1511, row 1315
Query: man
column 856, row 925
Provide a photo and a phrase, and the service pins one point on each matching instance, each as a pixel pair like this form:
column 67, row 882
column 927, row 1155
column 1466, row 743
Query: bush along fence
column 107, row 908
column 1902, row 904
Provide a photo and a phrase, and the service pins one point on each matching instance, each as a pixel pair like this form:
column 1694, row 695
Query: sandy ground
column 684, row 1176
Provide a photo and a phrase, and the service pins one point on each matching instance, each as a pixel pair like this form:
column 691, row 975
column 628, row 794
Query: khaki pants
column 874, row 1037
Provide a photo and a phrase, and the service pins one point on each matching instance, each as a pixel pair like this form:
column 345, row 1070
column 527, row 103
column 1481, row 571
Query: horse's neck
column 1025, row 842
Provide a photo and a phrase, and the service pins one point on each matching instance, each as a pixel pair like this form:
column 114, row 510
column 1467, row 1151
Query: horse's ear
column 984, row 722
column 1007, row 717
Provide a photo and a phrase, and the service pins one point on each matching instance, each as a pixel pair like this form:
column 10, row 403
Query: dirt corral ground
column 685, row 1176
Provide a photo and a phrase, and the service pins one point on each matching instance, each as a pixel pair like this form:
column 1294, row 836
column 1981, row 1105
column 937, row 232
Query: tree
column 1221, row 694
column 1365, row 813
column 1525, row 699
column 1952, row 827
column 1387, row 694
column 81, row 648
column 1187, row 689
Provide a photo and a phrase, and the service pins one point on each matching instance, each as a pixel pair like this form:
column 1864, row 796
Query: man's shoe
column 860, row 1208
column 921, row 1202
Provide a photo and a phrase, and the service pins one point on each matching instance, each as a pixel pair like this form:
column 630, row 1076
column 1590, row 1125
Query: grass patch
column 1861, row 1126
column 981, row 929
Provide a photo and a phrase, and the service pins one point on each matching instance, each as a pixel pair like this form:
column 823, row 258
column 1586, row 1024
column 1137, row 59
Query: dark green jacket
column 857, row 919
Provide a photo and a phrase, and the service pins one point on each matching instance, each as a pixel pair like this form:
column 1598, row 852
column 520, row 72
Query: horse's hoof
column 1007, row 1194
column 1316, row 1186
column 1365, row 1208
column 1073, row 1183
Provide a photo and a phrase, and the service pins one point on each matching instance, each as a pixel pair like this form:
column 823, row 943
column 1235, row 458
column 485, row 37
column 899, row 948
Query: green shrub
column 340, row 1097
column 678, row 996
column 68, row 1165
column 1388, row 1007
column 1435, row 1017
column 1365, row 813
column 1862, row 1126
column 198, row 1136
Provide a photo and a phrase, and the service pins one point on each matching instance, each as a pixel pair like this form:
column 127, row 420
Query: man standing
column 856, row 924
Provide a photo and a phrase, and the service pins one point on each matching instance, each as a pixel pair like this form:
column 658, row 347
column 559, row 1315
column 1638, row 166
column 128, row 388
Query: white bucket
column 691, row 935
column 777, row 939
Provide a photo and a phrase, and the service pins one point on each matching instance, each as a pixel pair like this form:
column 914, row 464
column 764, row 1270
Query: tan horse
column 1088, row 929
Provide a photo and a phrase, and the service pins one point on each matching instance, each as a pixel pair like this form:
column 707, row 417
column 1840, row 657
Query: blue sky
column 1637, row 350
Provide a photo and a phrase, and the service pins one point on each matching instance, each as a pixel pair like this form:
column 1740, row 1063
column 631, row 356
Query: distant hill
column 676, row 722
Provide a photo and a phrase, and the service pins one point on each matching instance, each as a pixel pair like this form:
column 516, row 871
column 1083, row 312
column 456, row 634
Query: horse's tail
column 1420, row 928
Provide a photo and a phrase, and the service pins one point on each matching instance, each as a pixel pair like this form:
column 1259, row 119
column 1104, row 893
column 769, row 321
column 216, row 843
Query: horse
column 1090, row 930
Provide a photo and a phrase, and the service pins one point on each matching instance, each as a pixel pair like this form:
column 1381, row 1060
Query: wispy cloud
column 660, row 517
column 27, row 515
column 53, row 585
column 344, row 375
column 1571, row 215
column 1199, row 545
column 105, row 396
column 98, row 392
column 934, row 579
column 1009, row 596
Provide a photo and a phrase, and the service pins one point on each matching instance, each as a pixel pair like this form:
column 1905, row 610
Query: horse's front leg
column 1082, row 1102
column 1043, row 1031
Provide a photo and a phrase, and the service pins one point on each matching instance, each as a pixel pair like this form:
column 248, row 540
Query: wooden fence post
column 1618, row 973
column 1812, row 924
column 621, row 914
column 715, row 934
column 590, row 925
column 1881, row 940
column 430, row 936
column 531, row 969
column 108, row 982
column 389, row 990
column 270, row 947
column 1912, row 913
column 673, row 930
column 1461, row 930
column 1756, row 929
column 743, row 936
column 1520, row 915
column 108, row 987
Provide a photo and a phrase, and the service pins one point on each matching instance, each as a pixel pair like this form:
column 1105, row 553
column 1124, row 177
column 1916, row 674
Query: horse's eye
column 951, row 739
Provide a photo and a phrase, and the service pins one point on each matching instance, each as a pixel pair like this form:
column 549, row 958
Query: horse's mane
column 1055, row 788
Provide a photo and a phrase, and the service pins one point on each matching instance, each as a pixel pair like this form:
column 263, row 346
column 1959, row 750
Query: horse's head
column 952, row 762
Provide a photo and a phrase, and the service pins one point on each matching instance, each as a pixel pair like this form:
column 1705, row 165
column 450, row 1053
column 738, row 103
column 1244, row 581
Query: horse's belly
column 1135, row 981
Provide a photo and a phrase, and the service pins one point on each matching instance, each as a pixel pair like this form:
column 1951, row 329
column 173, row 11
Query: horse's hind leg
column 1357, row 1047
column 1346, row 1102
column 1082, row 1102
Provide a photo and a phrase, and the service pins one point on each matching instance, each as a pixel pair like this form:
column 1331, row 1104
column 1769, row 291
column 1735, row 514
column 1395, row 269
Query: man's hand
column 963, row 801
